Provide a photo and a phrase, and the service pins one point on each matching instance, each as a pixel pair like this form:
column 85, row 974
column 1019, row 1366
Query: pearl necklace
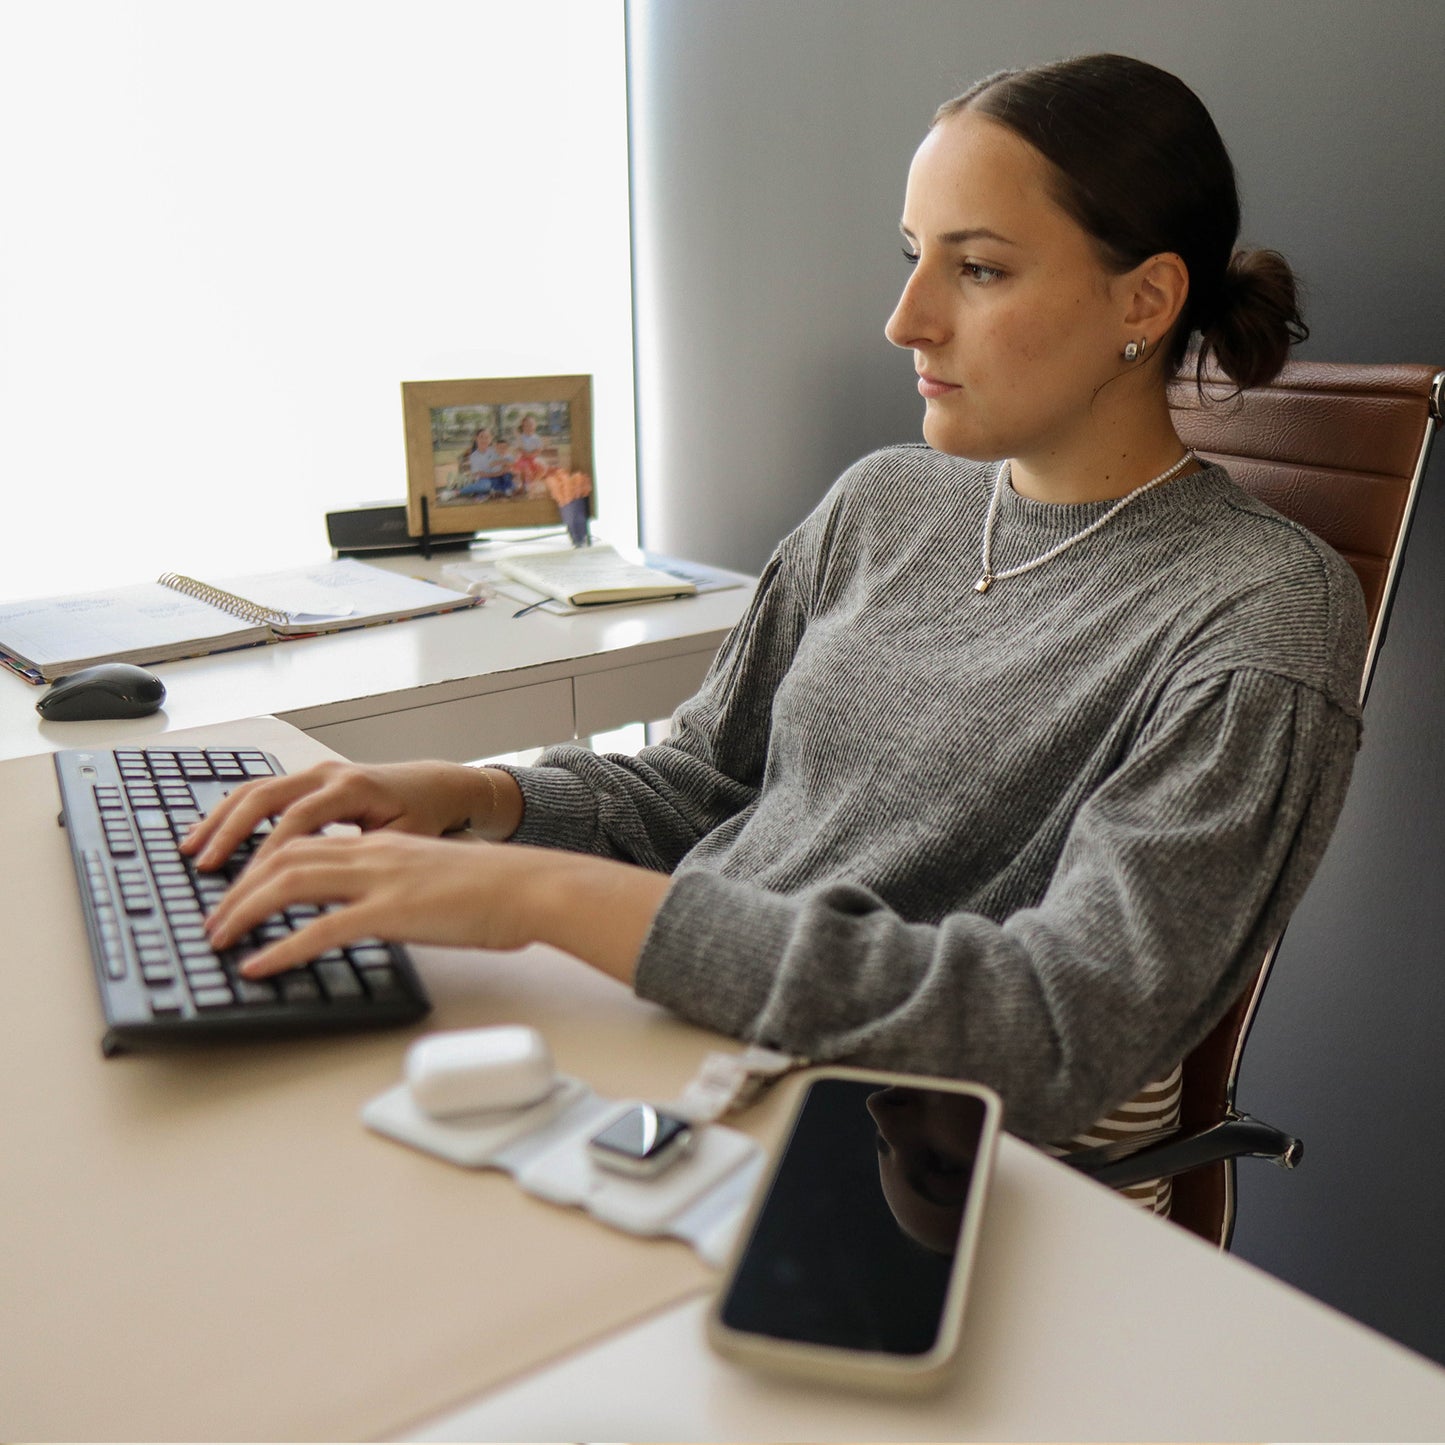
column 989, row 576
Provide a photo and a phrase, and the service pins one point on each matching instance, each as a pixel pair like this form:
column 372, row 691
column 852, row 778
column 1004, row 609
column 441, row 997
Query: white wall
column 231, row 231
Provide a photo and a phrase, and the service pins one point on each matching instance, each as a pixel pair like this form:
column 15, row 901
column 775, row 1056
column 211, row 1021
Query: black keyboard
column 160, row 980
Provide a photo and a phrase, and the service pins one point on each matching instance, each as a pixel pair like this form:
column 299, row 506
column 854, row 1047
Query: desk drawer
column 460, row 730
column 640, row 692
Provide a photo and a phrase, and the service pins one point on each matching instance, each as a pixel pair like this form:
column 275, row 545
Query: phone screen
column 853, row 1246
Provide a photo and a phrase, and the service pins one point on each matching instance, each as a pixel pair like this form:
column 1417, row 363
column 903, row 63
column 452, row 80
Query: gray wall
column 771, row 139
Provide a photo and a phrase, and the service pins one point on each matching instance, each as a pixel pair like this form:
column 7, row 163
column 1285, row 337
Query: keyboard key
column 212, row 997
column 254, row 991
column 338, row 979
column 382, row 982
column 113, row 953
column 370, row 955
column 298, row 987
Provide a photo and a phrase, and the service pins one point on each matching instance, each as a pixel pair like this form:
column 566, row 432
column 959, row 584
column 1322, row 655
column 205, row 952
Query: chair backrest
column 1341, row 449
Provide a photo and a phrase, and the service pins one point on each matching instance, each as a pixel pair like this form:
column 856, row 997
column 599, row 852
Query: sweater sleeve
column 1176, row 873
column 652, row 808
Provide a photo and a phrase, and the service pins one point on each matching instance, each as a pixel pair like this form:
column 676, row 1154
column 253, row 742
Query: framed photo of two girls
column 491, row 454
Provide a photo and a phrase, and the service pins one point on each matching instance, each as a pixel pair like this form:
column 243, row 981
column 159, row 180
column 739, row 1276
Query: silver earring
column 1135, row 350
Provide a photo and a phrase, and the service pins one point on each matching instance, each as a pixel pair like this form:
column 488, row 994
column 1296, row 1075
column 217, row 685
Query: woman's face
column 529, row 425
column 1013, row 321
column 927, row 1147
column 483, row 439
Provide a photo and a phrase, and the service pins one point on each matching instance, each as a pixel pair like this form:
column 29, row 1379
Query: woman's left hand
column 408, row 889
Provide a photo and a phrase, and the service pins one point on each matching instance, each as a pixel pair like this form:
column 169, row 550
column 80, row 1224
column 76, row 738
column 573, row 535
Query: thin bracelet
column 471, row 824
column 491, row 796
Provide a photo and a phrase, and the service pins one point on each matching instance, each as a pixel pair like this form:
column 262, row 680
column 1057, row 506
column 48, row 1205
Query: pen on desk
column 532, row 606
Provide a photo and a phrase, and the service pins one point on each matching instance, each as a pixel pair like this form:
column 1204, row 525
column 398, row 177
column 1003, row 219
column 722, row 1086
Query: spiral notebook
column 178, row 616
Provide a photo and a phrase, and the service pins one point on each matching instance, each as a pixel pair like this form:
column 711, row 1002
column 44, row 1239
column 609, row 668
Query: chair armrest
column 1167, row 1152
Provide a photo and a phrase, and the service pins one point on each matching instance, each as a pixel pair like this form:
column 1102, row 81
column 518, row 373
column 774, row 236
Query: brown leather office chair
column 1340, row 449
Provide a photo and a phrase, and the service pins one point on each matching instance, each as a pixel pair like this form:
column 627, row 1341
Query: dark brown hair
column 1142, row 168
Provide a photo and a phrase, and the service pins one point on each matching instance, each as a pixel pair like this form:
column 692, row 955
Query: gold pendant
column 983, row 583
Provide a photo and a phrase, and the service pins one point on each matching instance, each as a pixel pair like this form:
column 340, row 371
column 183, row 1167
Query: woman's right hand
column 427, row 798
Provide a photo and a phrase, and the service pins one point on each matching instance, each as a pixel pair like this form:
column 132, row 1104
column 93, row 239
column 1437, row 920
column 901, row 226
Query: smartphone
column 853, row 1262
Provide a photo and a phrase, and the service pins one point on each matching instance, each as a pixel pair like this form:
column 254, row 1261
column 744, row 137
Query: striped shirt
column 1037, row 836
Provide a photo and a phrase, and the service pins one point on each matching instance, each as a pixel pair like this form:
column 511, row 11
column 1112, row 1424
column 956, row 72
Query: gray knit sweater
column 1037, row 836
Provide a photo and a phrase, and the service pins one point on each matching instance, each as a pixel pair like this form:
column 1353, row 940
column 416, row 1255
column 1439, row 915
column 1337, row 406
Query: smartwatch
column 641, row 1142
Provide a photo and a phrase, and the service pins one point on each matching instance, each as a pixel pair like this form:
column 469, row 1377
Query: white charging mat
column 701, row 1199
column 471, row 1140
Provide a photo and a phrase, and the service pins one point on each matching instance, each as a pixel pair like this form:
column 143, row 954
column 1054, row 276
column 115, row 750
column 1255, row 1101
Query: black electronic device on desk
column 160, row 980
column 97, row 694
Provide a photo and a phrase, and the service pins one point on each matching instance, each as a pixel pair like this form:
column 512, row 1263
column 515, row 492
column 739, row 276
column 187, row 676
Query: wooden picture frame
column 472, row 482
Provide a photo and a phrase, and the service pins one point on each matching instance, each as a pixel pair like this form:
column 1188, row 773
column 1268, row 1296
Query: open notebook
column 177, row 616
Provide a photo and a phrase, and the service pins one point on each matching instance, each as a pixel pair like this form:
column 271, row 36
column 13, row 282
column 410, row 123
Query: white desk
column 208, row 1245
column 462, row 686
column 1088, row 1321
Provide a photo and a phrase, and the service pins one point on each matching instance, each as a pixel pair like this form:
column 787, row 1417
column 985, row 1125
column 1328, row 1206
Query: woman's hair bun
column 1255, row 319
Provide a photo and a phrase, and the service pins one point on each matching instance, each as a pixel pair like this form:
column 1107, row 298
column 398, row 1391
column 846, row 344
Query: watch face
column 644, row 1140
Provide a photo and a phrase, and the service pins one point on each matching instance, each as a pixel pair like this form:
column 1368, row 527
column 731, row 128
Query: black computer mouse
column 108, row 690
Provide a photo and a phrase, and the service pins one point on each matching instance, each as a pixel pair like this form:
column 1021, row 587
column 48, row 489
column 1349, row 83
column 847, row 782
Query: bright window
column 231, row 232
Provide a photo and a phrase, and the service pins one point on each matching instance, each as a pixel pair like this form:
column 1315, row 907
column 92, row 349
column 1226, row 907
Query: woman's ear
column 1156, row 291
